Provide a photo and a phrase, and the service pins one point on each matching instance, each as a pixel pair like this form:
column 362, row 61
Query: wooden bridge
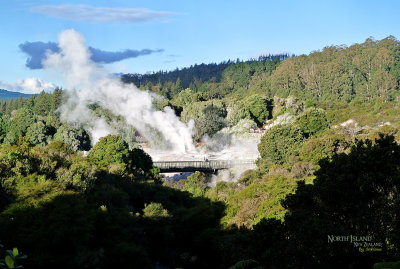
column 204, row 166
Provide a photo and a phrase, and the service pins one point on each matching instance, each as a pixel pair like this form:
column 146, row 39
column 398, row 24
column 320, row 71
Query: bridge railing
column 212, row 164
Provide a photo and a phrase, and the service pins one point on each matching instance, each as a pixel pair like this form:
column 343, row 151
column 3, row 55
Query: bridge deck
column 189, row 166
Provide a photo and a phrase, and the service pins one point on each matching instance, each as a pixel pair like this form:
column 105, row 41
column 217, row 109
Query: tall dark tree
column 42, row 104
column 353, row 195
column 56, row 98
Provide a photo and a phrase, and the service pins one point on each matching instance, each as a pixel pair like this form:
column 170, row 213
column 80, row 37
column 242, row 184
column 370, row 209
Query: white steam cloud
column 93, row 85
column 89, row 83
column 28, row 85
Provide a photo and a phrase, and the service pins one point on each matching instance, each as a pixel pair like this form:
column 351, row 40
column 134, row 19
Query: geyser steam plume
column 94, row 85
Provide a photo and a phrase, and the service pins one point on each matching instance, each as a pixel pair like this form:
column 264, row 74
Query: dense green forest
column 201, row 77
column 190, row 76
column 328, row 170
column 337, row 73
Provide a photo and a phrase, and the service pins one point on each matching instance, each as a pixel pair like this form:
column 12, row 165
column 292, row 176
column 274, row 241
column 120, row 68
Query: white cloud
column 102, row 14
column 28, row 85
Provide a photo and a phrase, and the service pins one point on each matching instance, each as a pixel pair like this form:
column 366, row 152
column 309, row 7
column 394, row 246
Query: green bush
column 141, row 160
column 312, row 121
column 155, row 210
column 208, row 117
column 325, row 146
column 38, row 133
column 111, row 149
column 280, row 142
column 257, row 106
column 78, row 139
column 196, row 184
column 19, row 124
column 12, row 258
column 258, row 200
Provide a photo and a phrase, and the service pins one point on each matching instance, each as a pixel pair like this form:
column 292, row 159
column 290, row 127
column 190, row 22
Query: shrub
column 196, row 184
column 208, row 117
column 325, row 146
column 155, row 210
column 312, row 121
column 109, row 150
column 280, row 142
column 78, row 139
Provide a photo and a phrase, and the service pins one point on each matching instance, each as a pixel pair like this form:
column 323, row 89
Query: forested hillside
column 202, row 77
column 336, row 73
column 188, row 76
column 328, row 168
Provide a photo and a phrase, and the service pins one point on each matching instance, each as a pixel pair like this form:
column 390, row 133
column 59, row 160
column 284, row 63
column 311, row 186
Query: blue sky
column 142, row 36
